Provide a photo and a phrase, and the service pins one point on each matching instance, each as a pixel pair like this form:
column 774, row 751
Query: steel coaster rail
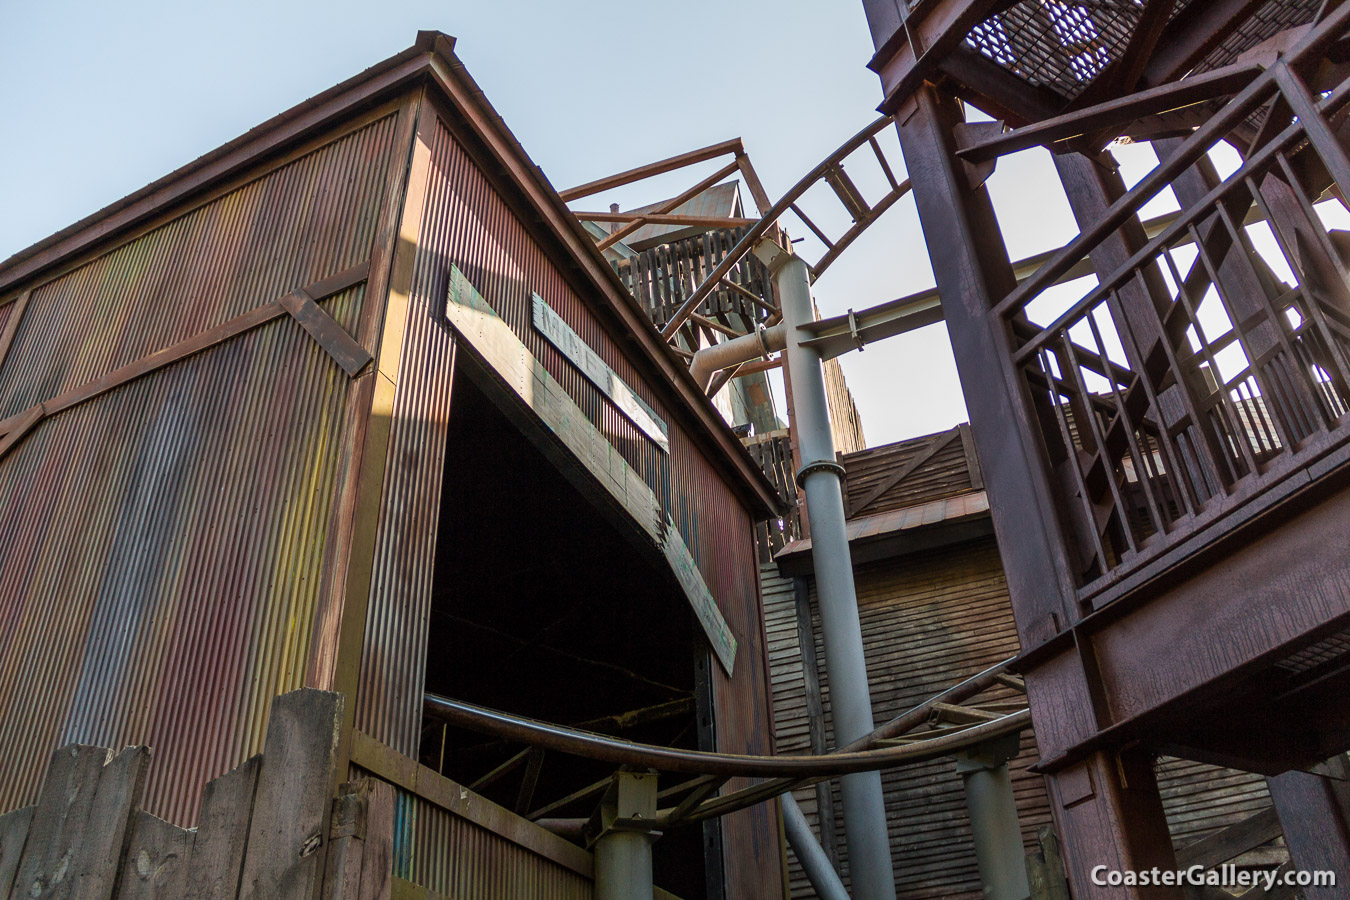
column 603, row 748
column 827, row 170
column 783, row 772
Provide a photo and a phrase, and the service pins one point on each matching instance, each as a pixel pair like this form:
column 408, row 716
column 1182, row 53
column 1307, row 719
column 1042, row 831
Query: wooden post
column 972, row 269
column 1105, row 817
column 75, row 840
column 217, row 859
column 1109, row 811
column 287, row 836
column 1315, row 816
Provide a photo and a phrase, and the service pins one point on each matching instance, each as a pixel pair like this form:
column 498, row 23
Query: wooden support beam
column 989, row 87
column 590, row 790
column 12, row 322
column 912, row 51
column 757, row 193
column 1192, row 35
column 530, row 781
column 1314, row 813
column 660, row 167
column 1123, row 73
column 667, row 219
column 1119, row 112
column 183, row 349
column 1235, row 840
column 332, row 337
column 666, row 207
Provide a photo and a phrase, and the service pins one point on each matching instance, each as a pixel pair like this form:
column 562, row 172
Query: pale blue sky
column 99, row 99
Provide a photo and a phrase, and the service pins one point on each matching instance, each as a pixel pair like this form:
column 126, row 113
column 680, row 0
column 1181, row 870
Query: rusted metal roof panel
column 162, row 543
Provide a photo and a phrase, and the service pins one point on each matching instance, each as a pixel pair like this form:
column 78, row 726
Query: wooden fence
column 269, row 829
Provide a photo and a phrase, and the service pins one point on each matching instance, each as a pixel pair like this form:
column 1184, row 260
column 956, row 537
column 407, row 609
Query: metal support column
column 993, row 818
column 869, row 849
column 623, row 849
column 824, row 879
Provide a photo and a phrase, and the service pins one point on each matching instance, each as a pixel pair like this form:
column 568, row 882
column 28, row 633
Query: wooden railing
column 1215, row 361
column 663, row 277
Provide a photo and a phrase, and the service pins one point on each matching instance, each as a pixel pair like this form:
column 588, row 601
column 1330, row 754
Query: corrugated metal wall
column 394, row 655
column 929, row 620
column 160, row 545
column 468, row 224
column 455, row 857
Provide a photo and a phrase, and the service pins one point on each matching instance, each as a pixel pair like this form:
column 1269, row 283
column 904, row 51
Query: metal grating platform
column 1063, row 46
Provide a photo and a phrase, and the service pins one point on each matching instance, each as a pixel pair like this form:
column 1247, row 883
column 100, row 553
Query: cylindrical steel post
column 993, row 819
column 814, row 862
column 869, row 849
column 623, row 866
column 623, row 851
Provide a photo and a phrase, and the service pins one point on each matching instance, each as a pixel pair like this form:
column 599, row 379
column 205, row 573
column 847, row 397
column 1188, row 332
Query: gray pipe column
column 993, row 818
column 815, row 864
column 623, row 851
column 869, row 847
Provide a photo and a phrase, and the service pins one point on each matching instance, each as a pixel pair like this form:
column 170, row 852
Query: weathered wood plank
column 154, row 866
column 377, row 863
column 345, row 350
column 1231, row 841
column 217, row 859
column 295, row 788
column 347, row 832
column 13, row 834
column 102, row 836
column 59, row 820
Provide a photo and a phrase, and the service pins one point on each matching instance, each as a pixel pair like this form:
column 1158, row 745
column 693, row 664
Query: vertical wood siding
column 468, row 224
column 161, row 545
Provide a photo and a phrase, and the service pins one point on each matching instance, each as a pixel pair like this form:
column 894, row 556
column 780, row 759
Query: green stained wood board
column 558, row 333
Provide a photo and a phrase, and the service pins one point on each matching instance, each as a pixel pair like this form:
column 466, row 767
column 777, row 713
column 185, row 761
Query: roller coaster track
column 829, row 171
column 885, row 747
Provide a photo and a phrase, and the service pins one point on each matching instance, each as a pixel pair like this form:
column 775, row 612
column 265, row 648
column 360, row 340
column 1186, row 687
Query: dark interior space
column 542, row 608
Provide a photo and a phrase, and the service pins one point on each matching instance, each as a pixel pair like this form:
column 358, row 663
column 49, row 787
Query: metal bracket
column 853, row 330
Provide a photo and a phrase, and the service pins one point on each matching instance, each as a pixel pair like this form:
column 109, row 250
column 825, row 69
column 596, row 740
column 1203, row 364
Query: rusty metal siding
column 161, row 545
column 394, row 652
column 468, row 224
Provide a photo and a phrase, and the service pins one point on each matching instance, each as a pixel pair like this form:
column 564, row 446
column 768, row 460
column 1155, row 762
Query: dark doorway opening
column 541, row 607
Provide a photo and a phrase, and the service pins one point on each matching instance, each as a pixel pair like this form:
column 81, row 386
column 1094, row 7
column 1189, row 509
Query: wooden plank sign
column 558, row 333
column 478, row 323
column 700, row 598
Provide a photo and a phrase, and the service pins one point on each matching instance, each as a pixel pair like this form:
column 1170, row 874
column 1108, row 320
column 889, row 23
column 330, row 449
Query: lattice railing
column 1216, row 360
